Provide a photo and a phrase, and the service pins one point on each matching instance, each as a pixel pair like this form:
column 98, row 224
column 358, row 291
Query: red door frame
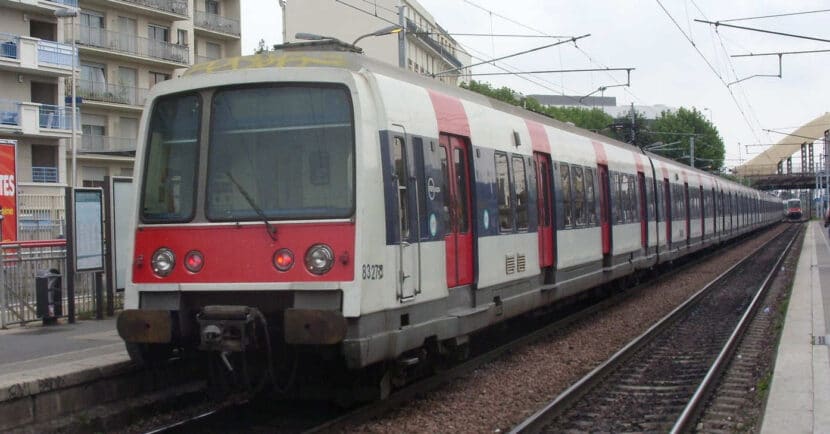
column 459, row 240
column 545, row 210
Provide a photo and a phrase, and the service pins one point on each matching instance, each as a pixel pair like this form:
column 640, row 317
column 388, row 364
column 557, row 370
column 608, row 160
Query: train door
column 667, row 203
column 409, row 247
column 688, row 213
column 459, row 236
column 641, row 181
column 543, row 175
column 605, row 213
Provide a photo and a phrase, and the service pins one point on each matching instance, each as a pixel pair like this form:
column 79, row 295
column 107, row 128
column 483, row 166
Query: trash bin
column 48, row 295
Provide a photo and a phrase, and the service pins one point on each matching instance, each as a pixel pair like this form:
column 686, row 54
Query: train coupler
column 230, row 329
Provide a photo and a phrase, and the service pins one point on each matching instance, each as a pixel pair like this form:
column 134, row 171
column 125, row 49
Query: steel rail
column 692, row 410
column 571, row 395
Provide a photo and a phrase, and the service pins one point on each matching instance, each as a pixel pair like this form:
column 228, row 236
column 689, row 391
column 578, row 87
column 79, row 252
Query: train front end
column 244, row 240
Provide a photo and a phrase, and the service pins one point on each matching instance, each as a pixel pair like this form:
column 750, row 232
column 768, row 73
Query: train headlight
column 194, row 261
column 283, row 259
column 163, row 261
column 319, row 259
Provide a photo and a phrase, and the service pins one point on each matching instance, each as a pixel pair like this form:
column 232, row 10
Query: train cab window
column 590, row 198
column 565, row 183
column 288, row 150
column 520, row 185
column 169, row 190
column 579, row 195
column 503, row 193
column 401, row 175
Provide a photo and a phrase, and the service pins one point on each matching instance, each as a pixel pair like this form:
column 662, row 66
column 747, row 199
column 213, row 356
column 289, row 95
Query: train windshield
column 288, row 148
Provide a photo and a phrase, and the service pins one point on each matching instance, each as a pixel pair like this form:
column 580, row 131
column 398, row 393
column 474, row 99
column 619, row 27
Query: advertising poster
column 89, row 240
column 8, row 190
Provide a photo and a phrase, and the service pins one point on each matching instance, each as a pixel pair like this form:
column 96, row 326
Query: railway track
column 278, row 416
column 660, row 381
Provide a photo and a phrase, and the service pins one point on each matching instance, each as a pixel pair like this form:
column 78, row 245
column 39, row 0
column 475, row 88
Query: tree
column 681, row 126
column 590, row 119
column 261, row 47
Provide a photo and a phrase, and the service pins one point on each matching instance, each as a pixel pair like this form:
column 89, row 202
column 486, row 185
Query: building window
column 93, row 176
column 212, row 7
column 214, row 51
column 158, row 77
column 158, row 33
column 44, row 163
column 181, row 37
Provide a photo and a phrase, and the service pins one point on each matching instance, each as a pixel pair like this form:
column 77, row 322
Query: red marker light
column 194, row 261
column 283, row 260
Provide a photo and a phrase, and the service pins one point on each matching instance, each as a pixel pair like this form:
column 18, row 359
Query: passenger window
column 565, row 182
column 503, row 193
column 590, row 198
column 579, row 195
column 520, row 184
column 401, row 175
column 462, row 221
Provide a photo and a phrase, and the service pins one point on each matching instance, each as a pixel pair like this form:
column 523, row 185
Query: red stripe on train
column 245, row 253
column 450, row 114
column 538, row 137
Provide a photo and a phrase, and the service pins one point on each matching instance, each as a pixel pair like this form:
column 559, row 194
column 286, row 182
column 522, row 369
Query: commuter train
column 792, row 209
column 312, row 203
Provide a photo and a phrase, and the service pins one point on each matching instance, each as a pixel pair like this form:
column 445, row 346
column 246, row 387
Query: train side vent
column 509, row 264
column 521, row 262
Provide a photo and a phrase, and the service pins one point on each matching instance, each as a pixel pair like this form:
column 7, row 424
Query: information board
column 88, row 231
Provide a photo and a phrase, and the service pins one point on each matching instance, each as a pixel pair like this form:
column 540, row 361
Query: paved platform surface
column 59, row 348
column 799, row 400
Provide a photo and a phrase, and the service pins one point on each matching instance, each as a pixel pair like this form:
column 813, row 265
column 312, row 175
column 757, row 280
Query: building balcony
column 128, row 46
column 216, row 25
column 35, row 120
column 39, row 6
column 44, row 174
column 106, row 144
column 35, row 56
column 109, row 93
column 424, row 38
column 170, row 10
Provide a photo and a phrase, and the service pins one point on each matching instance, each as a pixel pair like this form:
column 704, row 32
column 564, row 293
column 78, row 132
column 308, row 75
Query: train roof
column 335, row 54
column 304, row 55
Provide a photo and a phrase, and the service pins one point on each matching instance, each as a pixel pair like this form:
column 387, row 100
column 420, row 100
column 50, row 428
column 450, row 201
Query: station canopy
column 766, row 163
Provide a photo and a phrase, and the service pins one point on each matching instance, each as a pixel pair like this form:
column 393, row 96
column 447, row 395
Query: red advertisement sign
column 8, row 190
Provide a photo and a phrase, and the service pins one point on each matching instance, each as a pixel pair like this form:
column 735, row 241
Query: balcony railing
column 44, row 174
column 55, row 117
column 49, row 53
column 105, row 144
column 8, row 45
column 176, row 7
column 72, row 3
column 108, row 92
column 9, row 113
column 55, row 54
column 424, row 36
column 131, row 44
column 216, row 23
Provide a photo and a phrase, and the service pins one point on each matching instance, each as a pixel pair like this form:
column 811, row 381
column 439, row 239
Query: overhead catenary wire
column 712, row 68
column 776, row 15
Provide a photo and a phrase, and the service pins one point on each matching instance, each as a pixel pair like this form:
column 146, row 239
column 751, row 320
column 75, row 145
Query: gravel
column 505, row 392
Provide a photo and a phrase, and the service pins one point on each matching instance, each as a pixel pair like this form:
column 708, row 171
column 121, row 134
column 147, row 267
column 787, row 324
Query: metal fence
column 22, row 263
column 40, row 216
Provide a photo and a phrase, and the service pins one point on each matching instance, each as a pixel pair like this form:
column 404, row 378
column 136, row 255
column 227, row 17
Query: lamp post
column 72, row 13
column 384, row 31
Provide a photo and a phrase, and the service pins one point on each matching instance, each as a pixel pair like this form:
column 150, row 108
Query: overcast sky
column 640, row 34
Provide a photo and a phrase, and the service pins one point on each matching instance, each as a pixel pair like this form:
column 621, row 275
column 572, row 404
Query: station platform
column 799, row 399
column 39, row 365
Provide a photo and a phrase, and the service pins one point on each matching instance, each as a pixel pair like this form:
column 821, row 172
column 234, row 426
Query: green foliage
column 678, row 126
column 670, row 127
column 590, row 119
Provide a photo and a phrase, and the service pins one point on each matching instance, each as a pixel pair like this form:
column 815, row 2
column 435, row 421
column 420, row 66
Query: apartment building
column 428, row 48
column 124, row 47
